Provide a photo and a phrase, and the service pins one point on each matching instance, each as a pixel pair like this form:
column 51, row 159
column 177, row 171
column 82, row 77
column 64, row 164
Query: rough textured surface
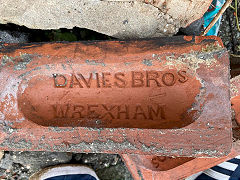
column 1, row 154
column 13, row 37
column 153, row 167
column 121, row 19
column 18, row 170
column 235, row 100
column 28, row 162
column 21, row 165
column 201, row 80
column 229, row 33
column 194, row 29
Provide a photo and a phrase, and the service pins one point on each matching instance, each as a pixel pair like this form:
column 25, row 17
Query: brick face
column 165, row 96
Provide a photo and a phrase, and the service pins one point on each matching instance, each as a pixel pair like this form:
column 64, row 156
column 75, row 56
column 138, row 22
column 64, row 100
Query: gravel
column 229, row 32
column 21, row 165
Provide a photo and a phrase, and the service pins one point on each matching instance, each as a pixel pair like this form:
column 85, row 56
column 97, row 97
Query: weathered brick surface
column 167, row 168
column 161, row 96
column 235, row 101
column 162, row 167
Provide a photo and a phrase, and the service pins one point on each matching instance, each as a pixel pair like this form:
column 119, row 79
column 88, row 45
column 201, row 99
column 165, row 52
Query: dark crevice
column 232, row 33
column 37, row 35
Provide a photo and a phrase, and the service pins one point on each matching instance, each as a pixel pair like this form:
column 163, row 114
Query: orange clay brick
column 161, row 167
column 165, row 96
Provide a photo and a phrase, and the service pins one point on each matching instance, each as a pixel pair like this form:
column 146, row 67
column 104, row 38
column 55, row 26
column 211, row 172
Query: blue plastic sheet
column 210, row 14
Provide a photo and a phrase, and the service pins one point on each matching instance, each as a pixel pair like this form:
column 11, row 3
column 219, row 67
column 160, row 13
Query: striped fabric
column 229, row 170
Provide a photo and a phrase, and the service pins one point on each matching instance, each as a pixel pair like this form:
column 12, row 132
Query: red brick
column 166, row 96
column 162, row 167
column 144, row 167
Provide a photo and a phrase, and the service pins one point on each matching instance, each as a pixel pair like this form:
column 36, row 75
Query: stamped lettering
column 101, row 111
column 103, row 97
column 60, row 80
column 152, row 76
column 135, row 79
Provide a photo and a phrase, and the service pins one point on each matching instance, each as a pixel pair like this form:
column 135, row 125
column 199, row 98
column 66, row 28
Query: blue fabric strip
column 204, row 177
column 73, row 177
column 236, row 174
column 234, row 160
column 222, row 170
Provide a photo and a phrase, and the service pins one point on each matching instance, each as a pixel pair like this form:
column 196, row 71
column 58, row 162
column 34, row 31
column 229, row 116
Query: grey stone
column 117, row 18
column 98, row 161
column 6, row 162
column 37, row 160
column 11, row 170
column 107, row 166
column 114, row 172
column 195, row 28
column 21, row 165
column 13, row 37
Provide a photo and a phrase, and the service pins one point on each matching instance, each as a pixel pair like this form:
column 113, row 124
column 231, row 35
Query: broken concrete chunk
column 120, row 19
